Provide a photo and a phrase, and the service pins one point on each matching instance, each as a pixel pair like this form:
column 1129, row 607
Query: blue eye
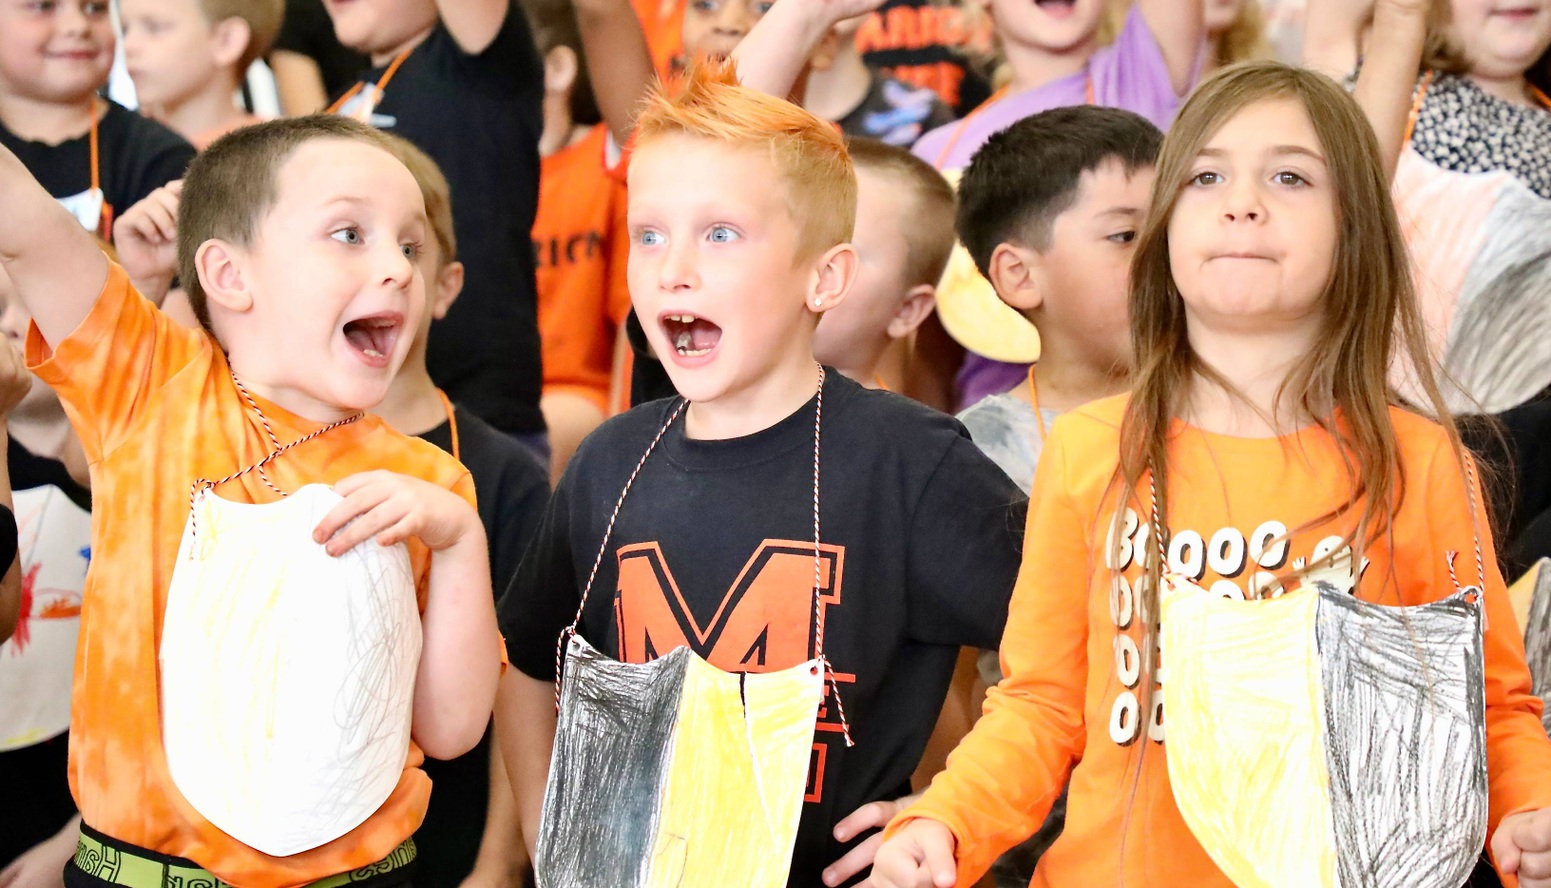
column 411, row 251
column 721, row 234
column 650, row 238
column 351, row 236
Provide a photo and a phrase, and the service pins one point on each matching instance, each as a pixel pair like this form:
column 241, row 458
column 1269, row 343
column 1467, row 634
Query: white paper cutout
column 37, row 664
column 287, row 675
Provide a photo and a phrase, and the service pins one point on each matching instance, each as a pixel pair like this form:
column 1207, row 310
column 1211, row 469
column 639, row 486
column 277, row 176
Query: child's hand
column 146, row 238
column 392, row 507
column 1522, row 846
column 874, row 816
column 835, row 11
column 15, row 381
column 919, row 856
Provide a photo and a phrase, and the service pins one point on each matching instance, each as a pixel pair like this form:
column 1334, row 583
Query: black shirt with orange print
column 930, row 43
column 920, row 542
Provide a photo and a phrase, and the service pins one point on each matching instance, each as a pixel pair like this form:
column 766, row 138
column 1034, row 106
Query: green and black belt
column 118, row 863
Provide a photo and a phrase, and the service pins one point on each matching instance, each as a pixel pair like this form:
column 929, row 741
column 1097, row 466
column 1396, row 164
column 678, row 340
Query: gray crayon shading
column 1405, row 715
column 1537, row 637
column 613, row 745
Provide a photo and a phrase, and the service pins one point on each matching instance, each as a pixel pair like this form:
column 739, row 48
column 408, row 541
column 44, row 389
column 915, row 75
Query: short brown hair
column 808, row 153
column 928, row 226
column 434, row 190
column 231, row 185
column 263, row 18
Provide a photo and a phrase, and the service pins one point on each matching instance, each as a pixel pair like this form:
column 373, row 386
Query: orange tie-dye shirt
column 155, row 407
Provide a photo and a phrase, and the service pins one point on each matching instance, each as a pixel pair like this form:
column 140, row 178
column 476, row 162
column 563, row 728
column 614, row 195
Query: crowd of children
column 595, row 443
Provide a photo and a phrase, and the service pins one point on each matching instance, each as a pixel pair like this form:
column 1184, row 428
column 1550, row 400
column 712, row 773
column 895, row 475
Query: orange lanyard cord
column 381, row 85
column 452, row 422
column 1039, row 418
column 105, row 215
column 1416, row 105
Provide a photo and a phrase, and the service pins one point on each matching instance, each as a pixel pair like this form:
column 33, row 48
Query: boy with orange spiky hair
column 777, row 473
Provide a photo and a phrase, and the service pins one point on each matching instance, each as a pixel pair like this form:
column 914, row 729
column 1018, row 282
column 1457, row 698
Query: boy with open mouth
column 782, row 514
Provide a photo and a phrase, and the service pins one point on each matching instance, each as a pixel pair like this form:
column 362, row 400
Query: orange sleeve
column 111, row 366
column 1518, row 753
column 1002, row 779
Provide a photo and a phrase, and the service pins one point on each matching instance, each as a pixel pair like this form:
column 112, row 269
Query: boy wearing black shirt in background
column 89, row 153
column 461, row 80
column 740, row 206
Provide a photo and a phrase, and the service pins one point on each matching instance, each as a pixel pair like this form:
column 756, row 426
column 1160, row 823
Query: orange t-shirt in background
column 156, row 408
column 662, row 21
column 1055, row 709
column 581, row 246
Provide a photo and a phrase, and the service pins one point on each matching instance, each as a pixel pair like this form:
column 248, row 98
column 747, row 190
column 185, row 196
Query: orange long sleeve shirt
column 1062, row 710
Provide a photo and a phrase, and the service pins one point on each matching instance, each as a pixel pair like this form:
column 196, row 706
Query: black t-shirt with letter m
column 921, row 536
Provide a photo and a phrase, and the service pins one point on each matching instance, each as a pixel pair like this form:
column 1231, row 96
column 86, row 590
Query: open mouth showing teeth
column 691, row 336
column 373, row 337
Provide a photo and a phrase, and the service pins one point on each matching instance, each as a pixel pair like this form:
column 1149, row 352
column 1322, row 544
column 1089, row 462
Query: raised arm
column 1180, row 29
column 1332, row 34
column 474, row 23
column 1388, row 76
column 15, row 382
column 55, row 267
column 612, row 35
column 774, row 54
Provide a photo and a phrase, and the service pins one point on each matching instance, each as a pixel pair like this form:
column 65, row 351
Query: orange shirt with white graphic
column 156, row 408
column 1064, row 709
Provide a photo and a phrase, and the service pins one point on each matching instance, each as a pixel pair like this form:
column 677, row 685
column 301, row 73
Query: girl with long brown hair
column 1264, row 456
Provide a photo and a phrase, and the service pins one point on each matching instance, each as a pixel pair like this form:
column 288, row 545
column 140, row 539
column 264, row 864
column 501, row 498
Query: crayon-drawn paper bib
column 676, row 773
column 1316, row 739
column 287, row 674
column 37, row 663
column 1245, row 746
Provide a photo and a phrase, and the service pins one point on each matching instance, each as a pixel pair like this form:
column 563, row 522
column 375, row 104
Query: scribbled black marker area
column 1405, row 714
column 1537, row 638
column 613, row 744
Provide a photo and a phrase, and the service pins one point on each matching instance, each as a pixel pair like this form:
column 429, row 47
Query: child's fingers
column 897, row 867
column 940, row 863
column 162, row 219
column 353, row 507
column 1533, row 833
column 872, row 816
column 350, row 484
column 856, row 860
column 400, row 531
column 366, row 527
column 1504, row 850
column 1535, row 870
